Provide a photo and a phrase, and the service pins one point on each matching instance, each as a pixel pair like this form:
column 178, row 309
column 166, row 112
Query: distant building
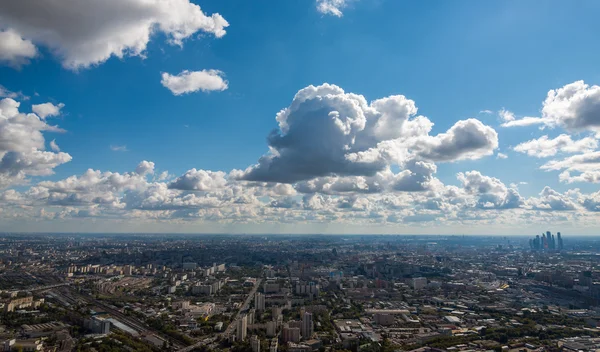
column 255, row 343
column 259, row 301
column 271, row 328
column 21, row 303
column 294, row 347
column 242, row 328
column 22, row 345
column 180, row 305
column 307, row 326
column 560, row 241
column 290, row 334
column 307, row 289
column 189, row 266
column 384, row 319
column 97, row 325
column 251, row 316
column 275, row 312
column 271, row 286
column 419, row 283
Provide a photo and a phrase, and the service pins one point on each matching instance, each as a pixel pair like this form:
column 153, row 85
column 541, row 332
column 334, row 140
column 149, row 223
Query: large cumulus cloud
column 84, row 33
column 491, row 192
column 576, row 106
column 328, row 132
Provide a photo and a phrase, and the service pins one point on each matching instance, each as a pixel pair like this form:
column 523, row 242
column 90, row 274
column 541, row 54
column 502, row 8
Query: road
column 42, row 288
column 231, row 325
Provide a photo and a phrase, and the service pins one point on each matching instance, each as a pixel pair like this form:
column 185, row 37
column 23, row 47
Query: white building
column 419, row 283
column 271, row 328
column 259, row 301
column 242, row 328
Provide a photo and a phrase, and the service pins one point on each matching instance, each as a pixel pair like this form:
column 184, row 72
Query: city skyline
column 300, row 117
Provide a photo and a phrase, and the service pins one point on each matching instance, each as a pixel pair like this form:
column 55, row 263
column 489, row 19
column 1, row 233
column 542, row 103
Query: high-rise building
column 242, row 328
column 291, row 334
column 105, row 327
column 271, row 328
column 259, row 301
column 307, row 326
column 251, row 316
column 255, row 343
column 560, row 241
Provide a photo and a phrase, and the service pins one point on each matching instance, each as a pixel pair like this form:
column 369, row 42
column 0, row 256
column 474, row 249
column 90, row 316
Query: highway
column 231, row 325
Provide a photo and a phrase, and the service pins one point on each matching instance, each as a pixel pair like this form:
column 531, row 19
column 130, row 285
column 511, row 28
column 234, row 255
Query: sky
column 300, row 116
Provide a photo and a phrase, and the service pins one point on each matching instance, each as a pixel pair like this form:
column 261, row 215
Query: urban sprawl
column 66, row 292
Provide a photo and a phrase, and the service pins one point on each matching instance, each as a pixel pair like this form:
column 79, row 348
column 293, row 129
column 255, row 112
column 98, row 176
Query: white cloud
column 22, row 145
column 467, row 139
column 332, row 7
column 5, row 93
column 193, row 81
column 14, row 50
column 575, row 107
column 199, row 180
column 525, row 121
column 491, row 192
column 591, row 202
column 144, row 168
column 330, row 163
column 211, row 197
column 328, row 132
column 506, row 115
column 54, row 146
column 544, row 147
column 47, row 109
column 501, row 156
column 550, row 199
column 118, row 148
column 587, row 176
column 85, row 33
column 589, row 161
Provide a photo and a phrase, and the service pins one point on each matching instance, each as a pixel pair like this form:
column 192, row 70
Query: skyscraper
column 307, row 326
column 560, row 241
column 242, row 328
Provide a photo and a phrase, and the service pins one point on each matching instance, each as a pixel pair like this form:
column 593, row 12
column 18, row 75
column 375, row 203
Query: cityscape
column 134, row 292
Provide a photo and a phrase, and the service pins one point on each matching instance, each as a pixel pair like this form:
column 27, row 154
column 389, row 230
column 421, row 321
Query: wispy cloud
column 118, row 148
column 5, row 93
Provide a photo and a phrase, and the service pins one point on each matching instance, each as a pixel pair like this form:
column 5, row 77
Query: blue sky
column 455, row 60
